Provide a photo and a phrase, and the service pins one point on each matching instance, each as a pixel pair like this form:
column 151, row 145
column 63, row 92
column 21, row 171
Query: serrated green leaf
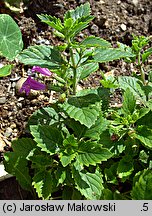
column 84, row 109
column 80, row 16
column 66, row 159
column 93, row 41
column 143, row 112
column 24, row 147
column 104, row 95
column 69, row 152
column 85, row 115
column 87, row 69
column 142, row 189
column 41, row 55
column 48, row 138
column 80, row 12
column 41, row 160
column 43, row 116
column 133, row 84
column 109, row 82
column 77, row 27
column 60, row 174
column 68, row 23
column 125, row 167
column 5, row 70
column 54, row 22
column 18, row 166
column 89, row 184
column 70, row 143
column 90, row 153
column 109, row 54
column 129, row 102
column 43, row 183
column 144, row 134
column 10, row 37
column 95, row 131
column 78, row 129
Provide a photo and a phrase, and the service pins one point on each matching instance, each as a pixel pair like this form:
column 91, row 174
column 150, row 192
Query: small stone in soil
column 123, row 27
column 8, row 132
column 2, row 100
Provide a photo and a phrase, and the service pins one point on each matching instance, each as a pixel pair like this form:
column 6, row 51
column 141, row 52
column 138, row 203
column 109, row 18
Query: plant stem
column 142, row 73
column 74, row 67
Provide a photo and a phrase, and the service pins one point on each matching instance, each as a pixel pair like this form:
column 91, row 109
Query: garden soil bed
column 114, row 21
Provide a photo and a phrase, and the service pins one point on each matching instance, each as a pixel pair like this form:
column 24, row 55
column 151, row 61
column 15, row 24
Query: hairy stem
column 74, row 67
column 142, row 73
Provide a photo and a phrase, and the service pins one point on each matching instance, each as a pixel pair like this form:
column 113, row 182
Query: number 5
column 145, row 207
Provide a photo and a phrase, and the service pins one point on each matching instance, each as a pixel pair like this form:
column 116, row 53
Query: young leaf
column 89, row 184
column 110, row 54
column 48, row 138
column 79, row 13
column 41, row 55
column 90, row 153
column 52, row 21
column 10, row 37
column 129, row 102
column 80, row 17
column 77, row 27
column 18, row 166
column 66, row 159
column 93, row 41
column 142, row 189
column 70, row 146
column 5, row 70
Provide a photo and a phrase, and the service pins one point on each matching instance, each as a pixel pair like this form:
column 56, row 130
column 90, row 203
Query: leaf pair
column 74, row 21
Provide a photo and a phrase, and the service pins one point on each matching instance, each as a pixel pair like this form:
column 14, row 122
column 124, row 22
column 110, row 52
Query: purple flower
column 31, row 84
column 44, row 71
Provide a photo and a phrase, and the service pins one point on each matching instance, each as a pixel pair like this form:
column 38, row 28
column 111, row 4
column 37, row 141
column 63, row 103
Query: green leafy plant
column 10, row 41
column 81, row 147
column 141, row 54
column 71, row 61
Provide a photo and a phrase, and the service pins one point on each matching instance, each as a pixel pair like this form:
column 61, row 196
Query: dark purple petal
column 32, row 84
column 44, row 71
